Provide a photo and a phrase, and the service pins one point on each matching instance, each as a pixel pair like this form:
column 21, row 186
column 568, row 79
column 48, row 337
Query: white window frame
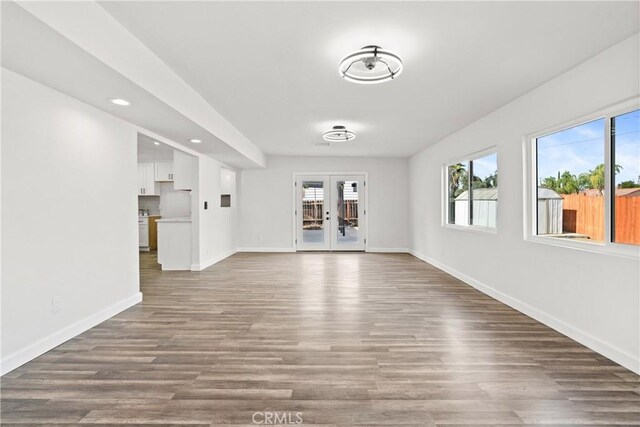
column 530, row 192
column 445, row 192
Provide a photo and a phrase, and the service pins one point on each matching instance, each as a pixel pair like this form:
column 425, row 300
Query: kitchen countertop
column 180, row 219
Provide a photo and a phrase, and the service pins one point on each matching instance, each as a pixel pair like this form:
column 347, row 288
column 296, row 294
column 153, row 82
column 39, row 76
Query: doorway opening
column 166, row 178
column 330, row 212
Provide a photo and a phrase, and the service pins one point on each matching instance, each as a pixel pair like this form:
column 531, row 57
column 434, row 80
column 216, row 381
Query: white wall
column 591, row 297
column 150, row 203
column 174, row 203
column 266, row 205
column 215, row 226
column 69, row 214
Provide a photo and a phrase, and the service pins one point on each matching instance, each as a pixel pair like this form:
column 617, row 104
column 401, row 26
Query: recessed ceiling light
column 120, row 101
column 339, row 133
column 370, row 65
column 195, row 140
column 156, row 142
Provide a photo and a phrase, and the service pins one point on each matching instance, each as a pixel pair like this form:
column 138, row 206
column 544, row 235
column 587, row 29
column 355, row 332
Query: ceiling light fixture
column 119, row 101
column 195, row 140
column 156, row 142
column 339, row 133
column 371, row 65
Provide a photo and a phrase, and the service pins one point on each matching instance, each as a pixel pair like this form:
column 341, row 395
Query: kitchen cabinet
column 164, row 171
column 153, row 232
column 146, row 179
column 174, row 243
column 184, row 168
column 143, row 232
column 148, row 232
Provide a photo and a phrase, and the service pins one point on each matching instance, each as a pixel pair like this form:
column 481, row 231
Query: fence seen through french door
column 313, row 210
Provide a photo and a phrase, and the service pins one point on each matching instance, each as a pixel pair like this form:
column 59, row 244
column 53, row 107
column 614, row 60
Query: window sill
column 614, row 249
column 472, row 228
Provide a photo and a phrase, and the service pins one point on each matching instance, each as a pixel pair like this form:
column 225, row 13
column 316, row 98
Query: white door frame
column 294, row 201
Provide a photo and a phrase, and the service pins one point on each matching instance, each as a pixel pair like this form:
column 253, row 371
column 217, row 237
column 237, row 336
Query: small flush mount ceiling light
column 371, row 65
column 339, row 133
column 120, row 101
column 156, row 142
column 195, row 140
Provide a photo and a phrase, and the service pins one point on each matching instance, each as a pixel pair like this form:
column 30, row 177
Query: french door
column 330, row 213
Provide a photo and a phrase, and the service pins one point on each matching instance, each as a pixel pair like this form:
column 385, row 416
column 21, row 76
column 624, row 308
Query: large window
column 458, row 186
column 578, row 182
column 625, row 145
column 472, row 192
column 571, row 182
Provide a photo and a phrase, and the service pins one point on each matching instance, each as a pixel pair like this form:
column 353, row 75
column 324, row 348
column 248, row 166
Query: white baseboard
column 170, row 267
column 200, row 267
column 40, row 347
column 612, row 352
column 389, row 250
column 279, row 249
column 373, row 250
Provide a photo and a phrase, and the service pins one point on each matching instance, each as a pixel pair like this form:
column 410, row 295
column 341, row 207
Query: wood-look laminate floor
column 340, row 339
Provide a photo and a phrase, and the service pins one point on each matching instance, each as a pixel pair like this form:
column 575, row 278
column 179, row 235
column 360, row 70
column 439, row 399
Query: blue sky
column 485, row 166
column 581, row 148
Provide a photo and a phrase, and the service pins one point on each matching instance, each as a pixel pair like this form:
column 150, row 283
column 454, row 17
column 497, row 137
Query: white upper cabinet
column 184, row 168
column 146, row 179
column 142, row 179
column 164, row 171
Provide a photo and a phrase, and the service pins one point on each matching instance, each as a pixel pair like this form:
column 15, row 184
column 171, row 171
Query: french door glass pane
column 312, row 212
column 625, row 141
column 347, row 210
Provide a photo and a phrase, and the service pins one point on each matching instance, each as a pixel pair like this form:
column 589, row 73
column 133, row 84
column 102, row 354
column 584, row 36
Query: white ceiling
column 35, row 50
column 270, row 68
column 148, row 151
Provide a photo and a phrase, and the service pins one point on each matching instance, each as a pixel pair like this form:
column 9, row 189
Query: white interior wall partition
column 69, row 207
column 594, row 298
column 216, row 226
column 266, row 201
column 69, row 226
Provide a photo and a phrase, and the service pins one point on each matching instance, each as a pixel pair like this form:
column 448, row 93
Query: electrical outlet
column 56, row 304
